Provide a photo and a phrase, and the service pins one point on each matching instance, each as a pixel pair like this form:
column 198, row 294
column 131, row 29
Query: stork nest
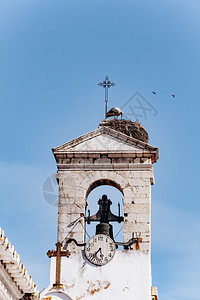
column 130, row 128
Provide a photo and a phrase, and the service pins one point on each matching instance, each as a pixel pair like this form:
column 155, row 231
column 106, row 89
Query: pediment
column 104, row 139
column 104, row 142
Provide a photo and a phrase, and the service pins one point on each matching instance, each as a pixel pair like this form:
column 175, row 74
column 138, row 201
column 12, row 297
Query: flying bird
column 154, row 93
column 114, row 112
column 173, row 95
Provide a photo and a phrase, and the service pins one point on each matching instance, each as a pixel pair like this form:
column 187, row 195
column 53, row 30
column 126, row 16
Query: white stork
column 114, row 112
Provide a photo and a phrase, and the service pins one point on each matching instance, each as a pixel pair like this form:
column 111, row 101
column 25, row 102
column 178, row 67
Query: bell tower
column 115, row 154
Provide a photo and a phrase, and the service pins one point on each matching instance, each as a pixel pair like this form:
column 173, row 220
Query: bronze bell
column 105, row 228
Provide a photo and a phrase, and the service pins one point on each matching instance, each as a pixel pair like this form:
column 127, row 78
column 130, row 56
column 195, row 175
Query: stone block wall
column 135, row 186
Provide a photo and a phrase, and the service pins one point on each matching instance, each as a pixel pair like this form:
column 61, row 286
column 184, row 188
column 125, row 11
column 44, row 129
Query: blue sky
column 53, row 55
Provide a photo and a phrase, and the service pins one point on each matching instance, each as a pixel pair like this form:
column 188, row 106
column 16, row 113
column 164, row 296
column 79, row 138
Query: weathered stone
column 138, row 208
column 143, row 218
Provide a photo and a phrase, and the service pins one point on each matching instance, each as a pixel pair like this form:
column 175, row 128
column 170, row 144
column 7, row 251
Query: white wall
column 127, row 276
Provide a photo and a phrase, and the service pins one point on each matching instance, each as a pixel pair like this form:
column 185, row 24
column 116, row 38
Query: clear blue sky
column 53, row 55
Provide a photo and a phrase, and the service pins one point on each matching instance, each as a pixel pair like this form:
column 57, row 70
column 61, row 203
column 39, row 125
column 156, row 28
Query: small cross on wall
column 58, row 253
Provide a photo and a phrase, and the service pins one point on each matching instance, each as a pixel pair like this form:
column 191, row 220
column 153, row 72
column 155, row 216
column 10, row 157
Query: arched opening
column 115, row 194
column 101, row 182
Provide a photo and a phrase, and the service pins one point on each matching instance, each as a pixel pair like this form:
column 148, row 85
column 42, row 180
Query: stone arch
column 98, row 178
column 58, row 296
column 103, row 182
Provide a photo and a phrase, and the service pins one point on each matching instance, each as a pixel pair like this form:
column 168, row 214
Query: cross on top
column 106, row 84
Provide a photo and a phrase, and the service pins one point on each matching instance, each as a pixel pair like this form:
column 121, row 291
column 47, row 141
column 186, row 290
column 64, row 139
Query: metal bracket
column 127, row 245
column 75, row 241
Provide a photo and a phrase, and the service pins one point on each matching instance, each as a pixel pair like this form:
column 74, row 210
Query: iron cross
column 58, row 253
column 106, row 84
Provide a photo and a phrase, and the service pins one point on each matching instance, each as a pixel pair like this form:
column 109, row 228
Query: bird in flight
column 173, row 95
column 114, row 112
column 154, row 93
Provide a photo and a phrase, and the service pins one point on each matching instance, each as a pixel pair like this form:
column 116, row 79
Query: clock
column 100, row 249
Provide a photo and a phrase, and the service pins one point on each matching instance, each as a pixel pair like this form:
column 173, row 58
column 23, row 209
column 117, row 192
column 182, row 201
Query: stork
column 114, row 112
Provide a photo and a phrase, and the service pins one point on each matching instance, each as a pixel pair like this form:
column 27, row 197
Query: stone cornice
column 109, row 154
column 142, row 146
column 135, row 167
column 14, row 267
column 9, row 287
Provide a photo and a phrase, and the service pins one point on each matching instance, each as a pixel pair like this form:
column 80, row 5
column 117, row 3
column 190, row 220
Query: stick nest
column 130, row 128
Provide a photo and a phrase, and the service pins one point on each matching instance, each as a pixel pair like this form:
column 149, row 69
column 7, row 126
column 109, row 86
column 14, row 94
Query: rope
column 119, row 231
column 85, row 231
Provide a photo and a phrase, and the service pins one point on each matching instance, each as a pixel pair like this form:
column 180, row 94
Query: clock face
column 100, row 249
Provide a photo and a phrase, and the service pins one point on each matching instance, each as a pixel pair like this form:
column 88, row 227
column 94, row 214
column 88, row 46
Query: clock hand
column 95, row 253
column 101, row 254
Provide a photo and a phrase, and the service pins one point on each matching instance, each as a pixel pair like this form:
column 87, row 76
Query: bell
column 105, row 228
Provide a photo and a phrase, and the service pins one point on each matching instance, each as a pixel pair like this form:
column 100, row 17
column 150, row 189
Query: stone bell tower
column 115, row 154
